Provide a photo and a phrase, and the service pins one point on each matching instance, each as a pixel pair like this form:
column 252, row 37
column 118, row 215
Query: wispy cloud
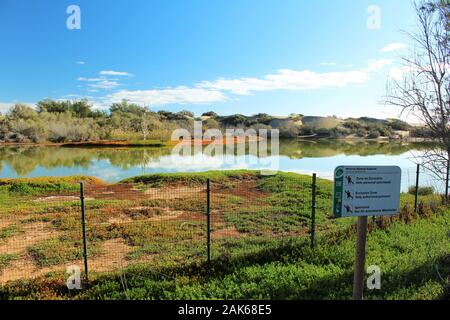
column 328, row 64
column 80, row 62
column 393, row 47
column 286, row 79
column 222, row 89
column 114, row 73
column 100, row 83
column 90, row 79
column 377, row 64
column 178, row 95
column 104, row 84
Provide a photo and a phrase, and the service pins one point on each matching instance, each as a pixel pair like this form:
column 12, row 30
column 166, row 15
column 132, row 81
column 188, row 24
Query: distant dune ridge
column 72, row 122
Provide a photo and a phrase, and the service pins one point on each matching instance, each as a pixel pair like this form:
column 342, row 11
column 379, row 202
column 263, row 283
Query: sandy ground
column 112, row 257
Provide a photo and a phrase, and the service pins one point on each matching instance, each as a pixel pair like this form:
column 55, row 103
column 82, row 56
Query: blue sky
column 230, row 56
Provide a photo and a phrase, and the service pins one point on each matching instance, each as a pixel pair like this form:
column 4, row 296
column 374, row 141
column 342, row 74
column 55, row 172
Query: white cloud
column 114, row 73
column 80, row 62
column 215, row 91
column 286, row 79
column 396, row 73
column 104, row 84
column 100, row 83
column 393, row 47
column 178, row 95
column 222, row 89
column 399, row 72
column 377, row 64
column 90, row 79
column 328, row 64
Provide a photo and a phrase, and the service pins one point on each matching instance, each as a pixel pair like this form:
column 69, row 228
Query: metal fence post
column 416, row 199
column 83, row 226
column 313, row 211
column 208, row 219
column 446, row 179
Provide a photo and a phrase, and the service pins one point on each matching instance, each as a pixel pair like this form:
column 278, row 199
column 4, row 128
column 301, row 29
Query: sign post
column 361, row 192
column 360, row 259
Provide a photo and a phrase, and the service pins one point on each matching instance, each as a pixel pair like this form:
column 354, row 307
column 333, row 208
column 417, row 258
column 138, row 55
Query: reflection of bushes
column 23, row 160
column 423, row 191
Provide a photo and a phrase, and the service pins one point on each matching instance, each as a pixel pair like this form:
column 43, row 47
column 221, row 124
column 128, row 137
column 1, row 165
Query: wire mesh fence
column 247, row 212
column 125, row 224
column 104, row 228
column 424, row 179
column 38, row 234
column 137, row 224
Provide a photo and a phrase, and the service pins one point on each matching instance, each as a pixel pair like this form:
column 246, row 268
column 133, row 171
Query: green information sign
column 366, row 191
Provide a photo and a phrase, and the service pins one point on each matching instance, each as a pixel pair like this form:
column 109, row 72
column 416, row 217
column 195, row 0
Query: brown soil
column 113, row 256
column 24, row 266
column 5, row 223
column 230, row 232
column 171, row 215
column 122, row 218
column 245, row 188
column 58, row 198
column 126, row 191
column 29, row 235
column 172, row 193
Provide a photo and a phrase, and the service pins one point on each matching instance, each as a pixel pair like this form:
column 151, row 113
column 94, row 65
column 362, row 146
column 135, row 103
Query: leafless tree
column 424, row 90
column 144, row 126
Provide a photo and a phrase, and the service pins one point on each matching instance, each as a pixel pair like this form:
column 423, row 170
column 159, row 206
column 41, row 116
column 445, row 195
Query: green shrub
column 32, row 188
column 423, row 191
column 374, row 134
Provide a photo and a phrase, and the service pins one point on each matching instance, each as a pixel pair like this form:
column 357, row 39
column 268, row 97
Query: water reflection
column 113, row 164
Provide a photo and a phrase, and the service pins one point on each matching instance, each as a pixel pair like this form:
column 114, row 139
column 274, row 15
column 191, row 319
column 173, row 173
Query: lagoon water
column 115, row 164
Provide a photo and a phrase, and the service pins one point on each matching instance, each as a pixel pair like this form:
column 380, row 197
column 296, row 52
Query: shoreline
column 161, row 144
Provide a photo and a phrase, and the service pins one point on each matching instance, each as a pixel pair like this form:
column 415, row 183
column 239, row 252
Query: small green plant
column 8, row 231
column 6, row 259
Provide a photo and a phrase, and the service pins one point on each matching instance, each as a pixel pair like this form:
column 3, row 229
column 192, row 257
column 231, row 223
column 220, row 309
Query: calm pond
column 115, row 164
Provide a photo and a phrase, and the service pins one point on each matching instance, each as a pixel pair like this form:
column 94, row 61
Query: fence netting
column 155, row 224
column 250, row 212
column 128, row 224
column 434, row 182
column 39, row 234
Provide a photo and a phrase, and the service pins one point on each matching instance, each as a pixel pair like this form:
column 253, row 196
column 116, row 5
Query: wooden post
column 360, row 259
